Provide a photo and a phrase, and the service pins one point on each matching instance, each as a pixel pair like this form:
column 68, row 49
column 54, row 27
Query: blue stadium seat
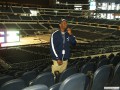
column 80, row 63
column 36, row 87
column 36, row 70
column 100, row 78
column 74, row 82
column 102, row 57
column 72, row 63
column 19, row 74
column 116, row 77
column 88, row 67
column 46, row 78
column 14, row 17
column 67, row 73
column 47, row 69
column 28, row 76
column 55, row 87
column 115, row 60
column 15, row 84
column 4, row 79
column 111, row 56
column 102, row 62
column 94, row 59
column 26, row 10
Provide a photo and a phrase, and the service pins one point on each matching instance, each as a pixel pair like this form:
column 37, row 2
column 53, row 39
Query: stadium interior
column 25, row 30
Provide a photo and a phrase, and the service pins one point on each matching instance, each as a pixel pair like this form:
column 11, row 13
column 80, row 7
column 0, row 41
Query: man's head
column 63, row 25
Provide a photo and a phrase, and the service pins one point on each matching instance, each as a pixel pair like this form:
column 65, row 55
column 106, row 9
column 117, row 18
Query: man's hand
column 69, row 31
column 60, row 62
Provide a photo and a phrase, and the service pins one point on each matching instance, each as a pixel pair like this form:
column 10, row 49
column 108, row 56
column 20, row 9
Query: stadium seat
column 80, row 63
column 100, row 78
column 111, row 56
column 17, row 10
column 67, row 73
column 72, row 63
column 74, row 82
column 36, row 87
column 19, row 74
column 55, row 87
column 118, row 54
column 47, row 69
column 36, row 70
column 115, row 60
column 102, row 57
column 46, row 78
column 15, row 84
column 28, row 76
column 4, row 79
column 94, row 59
column 88, row 67
column 102, row 62
column 116, row 77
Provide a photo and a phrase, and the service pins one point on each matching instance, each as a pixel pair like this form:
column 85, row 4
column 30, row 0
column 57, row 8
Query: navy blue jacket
column 56, row 45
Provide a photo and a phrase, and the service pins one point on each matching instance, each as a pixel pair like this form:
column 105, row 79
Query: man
column 60, row 47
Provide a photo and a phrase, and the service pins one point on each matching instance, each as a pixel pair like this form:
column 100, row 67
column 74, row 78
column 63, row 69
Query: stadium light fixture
column 13, row 36
column 2, row 36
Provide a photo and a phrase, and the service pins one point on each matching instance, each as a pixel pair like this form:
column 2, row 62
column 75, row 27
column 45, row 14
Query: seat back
column 46, row 78
column 111, row 56
column 28, row 76
column 15, row 84
column 48, row 69
column 100, row 78
column 4, row 79
column 102, row 62
column 55, row 87
column 74, row 82
column 88, row 67
column 115, row 60
column 116, row 76
column 19, row 74
column 79, row 64
column 36, row 87
column 67, row 73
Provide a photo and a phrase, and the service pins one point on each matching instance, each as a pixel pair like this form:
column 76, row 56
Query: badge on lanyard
column 63, row 51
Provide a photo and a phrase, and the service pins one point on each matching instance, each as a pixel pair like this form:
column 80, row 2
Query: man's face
column 63, row 25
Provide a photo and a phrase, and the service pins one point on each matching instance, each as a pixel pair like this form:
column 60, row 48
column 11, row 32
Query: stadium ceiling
column 37, row 3
column 40, row 3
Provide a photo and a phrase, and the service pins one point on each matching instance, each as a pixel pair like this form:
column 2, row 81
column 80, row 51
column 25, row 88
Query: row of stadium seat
column 16, row 55
column 107, row 11
column 20, row 18
column 57, row 18
column 37, row 54
column 18, row 10
column 78, row 62
column 38, row 49
column 88, row 35
column 95, row 78
column 97, row 30
column 108, row 1
column 16, row 26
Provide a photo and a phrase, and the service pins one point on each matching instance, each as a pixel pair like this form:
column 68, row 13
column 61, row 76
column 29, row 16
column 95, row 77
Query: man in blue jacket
column 60, row 46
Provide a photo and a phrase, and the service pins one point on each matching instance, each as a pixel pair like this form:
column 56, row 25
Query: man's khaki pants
column 60, row 68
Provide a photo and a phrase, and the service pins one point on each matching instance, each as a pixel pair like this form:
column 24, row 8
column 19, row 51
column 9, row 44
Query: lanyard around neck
column 63, row 36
